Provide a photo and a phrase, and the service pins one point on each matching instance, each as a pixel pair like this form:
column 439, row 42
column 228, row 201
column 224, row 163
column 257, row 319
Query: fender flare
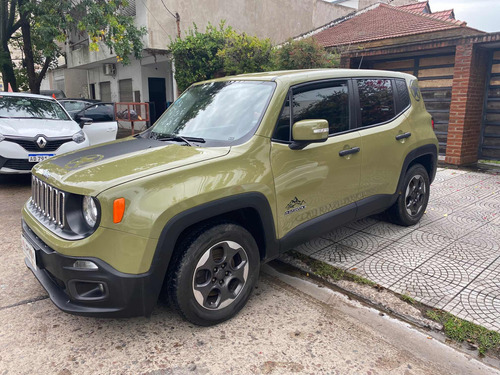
column 177, row 224
column 429, row 149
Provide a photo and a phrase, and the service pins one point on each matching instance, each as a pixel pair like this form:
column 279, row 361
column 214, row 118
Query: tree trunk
column 28, row 50
column 7, row 28
column 8, row 75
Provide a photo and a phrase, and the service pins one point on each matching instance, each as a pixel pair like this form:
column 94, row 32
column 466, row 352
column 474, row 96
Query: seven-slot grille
column 48, row 201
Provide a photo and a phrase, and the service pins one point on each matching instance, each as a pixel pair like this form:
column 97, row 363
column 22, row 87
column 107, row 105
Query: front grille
column 48, row 201
column 19, row 164
column 29, row 144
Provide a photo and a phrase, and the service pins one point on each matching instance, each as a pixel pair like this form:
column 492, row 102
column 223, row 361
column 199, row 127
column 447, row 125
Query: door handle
column 403, row 136
column 349, row 152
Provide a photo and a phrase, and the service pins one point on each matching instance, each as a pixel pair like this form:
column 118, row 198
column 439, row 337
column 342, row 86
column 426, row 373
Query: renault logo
column 41, row 142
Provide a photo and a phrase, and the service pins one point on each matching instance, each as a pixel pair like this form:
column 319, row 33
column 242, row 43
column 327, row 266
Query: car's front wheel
column 214, row 274
column 413, row 198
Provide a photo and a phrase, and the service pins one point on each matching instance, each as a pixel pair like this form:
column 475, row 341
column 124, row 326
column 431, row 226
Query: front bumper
column 103, row 292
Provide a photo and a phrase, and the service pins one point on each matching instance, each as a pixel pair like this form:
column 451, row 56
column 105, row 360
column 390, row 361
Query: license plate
column 35, row 158
column 29, row 252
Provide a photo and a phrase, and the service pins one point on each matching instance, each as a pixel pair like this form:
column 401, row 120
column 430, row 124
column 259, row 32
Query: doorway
column 157, row 98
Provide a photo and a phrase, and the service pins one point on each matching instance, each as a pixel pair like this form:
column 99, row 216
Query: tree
column 304, row 54
column 39, row 27
column 217, row 52
column 9, row 24
column 221, row 51
column 196, row 56
column 243, row 53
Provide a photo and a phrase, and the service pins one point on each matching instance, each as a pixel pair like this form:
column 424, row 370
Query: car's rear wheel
column 413, row 198
column 214, row 274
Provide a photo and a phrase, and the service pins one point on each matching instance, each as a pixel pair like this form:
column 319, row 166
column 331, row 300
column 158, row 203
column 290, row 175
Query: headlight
column 89, row 209
column 79, row 137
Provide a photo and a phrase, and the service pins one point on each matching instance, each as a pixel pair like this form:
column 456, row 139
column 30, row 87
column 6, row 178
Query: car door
column 385, row 134
column 103, row 127
column 316, row 180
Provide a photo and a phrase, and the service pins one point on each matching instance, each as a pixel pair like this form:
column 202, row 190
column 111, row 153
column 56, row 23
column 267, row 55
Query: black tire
column 224, row 252
column 413, row 198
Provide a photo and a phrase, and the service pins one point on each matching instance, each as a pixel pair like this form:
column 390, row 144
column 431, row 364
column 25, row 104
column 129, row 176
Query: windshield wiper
column 176, row 137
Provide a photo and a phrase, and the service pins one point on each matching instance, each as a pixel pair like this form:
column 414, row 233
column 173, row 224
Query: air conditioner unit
column 109, row 69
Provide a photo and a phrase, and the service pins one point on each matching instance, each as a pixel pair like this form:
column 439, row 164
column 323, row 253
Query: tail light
column 432, row 122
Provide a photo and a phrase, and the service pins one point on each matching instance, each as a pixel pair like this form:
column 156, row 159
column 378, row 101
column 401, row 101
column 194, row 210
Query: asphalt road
column 288, row 326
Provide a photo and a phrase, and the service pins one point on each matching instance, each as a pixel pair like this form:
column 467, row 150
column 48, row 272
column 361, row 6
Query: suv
column 235, row 172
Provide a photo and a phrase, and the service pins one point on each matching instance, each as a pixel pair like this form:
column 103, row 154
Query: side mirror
column 84, row 121
column 305, row 132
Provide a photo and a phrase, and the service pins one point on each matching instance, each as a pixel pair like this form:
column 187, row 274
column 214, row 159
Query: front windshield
column 26, row 107
column 220, row 113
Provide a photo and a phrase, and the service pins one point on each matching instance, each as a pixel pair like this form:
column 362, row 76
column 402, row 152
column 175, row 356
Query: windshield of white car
column 220, row 113
column 31, row 108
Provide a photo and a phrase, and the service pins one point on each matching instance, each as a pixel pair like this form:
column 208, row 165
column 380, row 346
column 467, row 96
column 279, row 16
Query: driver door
column 319, row 179
column 103, row 127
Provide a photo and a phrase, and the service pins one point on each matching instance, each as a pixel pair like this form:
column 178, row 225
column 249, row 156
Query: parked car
column 73, row 106
column 34, row 128
column 235, row 172
column 59, row 94
column 104, row 125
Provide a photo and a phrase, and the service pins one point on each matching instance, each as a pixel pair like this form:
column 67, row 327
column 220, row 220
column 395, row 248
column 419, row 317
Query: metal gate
column 489, row 146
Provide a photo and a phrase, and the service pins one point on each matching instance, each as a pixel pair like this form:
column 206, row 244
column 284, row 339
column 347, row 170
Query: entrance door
column 157, row 95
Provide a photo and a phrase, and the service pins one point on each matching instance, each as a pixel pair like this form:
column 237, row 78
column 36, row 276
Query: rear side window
column 328, row 102
column 376, row 100
column 403, row 97
column 99, row 113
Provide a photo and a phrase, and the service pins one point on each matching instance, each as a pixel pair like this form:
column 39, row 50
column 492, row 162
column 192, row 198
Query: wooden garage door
column 435, row 74
column 490, row 130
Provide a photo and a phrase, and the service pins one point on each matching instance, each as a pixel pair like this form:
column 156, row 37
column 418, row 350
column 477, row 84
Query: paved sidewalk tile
column 450, row 260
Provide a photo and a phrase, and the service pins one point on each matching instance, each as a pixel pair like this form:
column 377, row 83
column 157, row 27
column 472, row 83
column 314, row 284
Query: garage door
column 435, row 74
column 490, row 130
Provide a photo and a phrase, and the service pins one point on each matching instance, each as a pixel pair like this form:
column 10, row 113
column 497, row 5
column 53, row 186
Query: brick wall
column 466, row 104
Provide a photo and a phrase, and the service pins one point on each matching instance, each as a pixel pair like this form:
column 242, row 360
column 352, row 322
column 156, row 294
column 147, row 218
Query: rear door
column 385, row 133
column 103, row 127
column 316, row 180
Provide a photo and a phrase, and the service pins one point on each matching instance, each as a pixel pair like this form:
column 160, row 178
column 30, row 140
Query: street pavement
column 288, row 326
column 450, row 260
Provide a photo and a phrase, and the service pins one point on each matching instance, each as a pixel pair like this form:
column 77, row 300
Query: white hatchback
column 35, row 127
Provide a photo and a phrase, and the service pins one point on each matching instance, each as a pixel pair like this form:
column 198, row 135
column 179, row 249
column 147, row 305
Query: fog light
column 85, row 264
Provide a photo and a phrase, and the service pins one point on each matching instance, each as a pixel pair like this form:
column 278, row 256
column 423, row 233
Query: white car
column 35, row 127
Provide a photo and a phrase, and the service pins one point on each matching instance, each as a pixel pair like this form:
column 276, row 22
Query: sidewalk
column 450, row 260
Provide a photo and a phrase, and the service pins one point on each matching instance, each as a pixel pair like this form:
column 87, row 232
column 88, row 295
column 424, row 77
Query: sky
column 479, row 14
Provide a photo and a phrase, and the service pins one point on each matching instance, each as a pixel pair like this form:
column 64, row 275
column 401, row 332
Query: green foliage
column 408, row 299
column 196, row 56
column 39, row 27
column 325, row 270
column 21, row 78
column 245, row 54
column 304, row 54
column 221, row 51
column 461, row 330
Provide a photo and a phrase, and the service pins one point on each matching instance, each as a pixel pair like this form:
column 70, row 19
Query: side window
column 100, row 112
column 403, row 97
column 282, row 132
column 330, row 103
column 376, row 100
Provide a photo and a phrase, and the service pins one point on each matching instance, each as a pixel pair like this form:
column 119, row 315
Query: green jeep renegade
column 235, row 172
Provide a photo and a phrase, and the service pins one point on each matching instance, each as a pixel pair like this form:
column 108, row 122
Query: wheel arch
column 424, row 155
column 250, row 210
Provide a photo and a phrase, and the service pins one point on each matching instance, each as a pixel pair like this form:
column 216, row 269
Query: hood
column 95, row 169
column 23, row 127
